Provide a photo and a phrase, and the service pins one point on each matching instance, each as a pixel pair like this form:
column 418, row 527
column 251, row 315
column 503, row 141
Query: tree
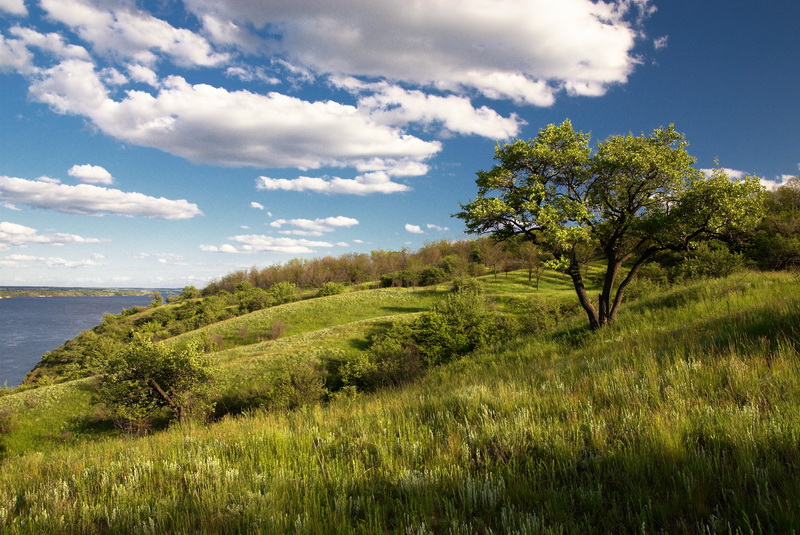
column 630, row 199
column 156, row 299
column 147, row 377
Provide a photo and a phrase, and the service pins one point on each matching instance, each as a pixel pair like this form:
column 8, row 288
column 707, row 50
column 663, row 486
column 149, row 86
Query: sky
column 164, row 143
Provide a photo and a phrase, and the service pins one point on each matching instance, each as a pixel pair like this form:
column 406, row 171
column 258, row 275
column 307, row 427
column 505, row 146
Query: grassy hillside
column 682, row 417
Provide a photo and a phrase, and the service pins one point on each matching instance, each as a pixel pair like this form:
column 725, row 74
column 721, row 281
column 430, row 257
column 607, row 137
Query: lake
column 32, row 326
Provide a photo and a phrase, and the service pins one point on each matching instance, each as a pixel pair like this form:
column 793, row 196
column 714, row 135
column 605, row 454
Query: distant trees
column 630, row 199
column 776, row 242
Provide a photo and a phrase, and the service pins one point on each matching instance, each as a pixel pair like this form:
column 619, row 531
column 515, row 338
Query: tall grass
column 680, row 418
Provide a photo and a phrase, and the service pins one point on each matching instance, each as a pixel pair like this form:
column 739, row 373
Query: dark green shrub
column 432, row 275
column 709, row 259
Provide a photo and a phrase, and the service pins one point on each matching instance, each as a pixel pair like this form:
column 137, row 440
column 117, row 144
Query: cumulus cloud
column 15, row 56
column 52, row 43
column 734, row 174
column 393, row 105
column 213, row 125
column 118, row 30
column 259, row 243
column 86, row 199
column 431, row 226
column 93, row 174
column 526, row 50
column 316, row 227
column 20, row 235
column 366, row 184
column 15, row 7
column 257, row 206
column 414, row 229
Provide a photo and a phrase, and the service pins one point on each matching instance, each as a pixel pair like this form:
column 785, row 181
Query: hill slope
column 680, row 418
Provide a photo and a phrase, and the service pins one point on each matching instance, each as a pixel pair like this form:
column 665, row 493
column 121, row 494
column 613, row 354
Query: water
column 32, row 326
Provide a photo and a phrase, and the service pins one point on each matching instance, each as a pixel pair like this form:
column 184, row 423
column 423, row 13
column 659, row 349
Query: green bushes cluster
column 456, row 326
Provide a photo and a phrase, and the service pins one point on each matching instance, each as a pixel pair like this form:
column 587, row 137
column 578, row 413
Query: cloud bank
column 86, row 199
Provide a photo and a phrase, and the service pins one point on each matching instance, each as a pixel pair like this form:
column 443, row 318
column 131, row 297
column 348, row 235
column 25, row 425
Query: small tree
column 156, row 299
column 147, row 377
column 632, row 198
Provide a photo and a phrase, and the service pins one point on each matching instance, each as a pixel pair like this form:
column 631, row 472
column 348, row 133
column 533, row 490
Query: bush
column 432, row 275
column 7, row 422
column 283, row 292
column 147, row 379
column 330, row 288
column 455, row 326
column 467, row 284
column 710, row 259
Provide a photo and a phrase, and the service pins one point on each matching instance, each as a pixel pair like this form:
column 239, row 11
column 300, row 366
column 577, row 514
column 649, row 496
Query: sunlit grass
column 682, row 417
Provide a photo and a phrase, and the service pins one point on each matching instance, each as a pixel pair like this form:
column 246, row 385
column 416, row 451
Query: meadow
column 679, row 418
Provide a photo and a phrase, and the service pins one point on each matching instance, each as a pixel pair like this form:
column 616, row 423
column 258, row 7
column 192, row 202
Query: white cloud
column 93, row 174
column 250, row 74
column 15, row 7
column 526, row 50
column 661, row 42
column 257, row 206
column 15, row 56
column 18, row 260
column 19, row 235
column 316, row 227
column 91, row 200
column 213, row 125
column 366, row 184
column 393, row 105
column 437, row 227
column 122, row 31
column 144, row 75
column 733, row 174
column 53, row 43
column 255, row 243
column 414, row 229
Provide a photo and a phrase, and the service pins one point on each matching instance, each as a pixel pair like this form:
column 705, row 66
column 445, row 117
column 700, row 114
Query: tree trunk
column 583, row 297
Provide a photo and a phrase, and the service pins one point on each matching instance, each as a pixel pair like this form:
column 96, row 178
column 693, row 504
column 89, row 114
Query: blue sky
column 164, row 143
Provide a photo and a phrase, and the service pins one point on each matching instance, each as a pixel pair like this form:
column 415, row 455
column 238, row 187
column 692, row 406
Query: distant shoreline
column 10, row 293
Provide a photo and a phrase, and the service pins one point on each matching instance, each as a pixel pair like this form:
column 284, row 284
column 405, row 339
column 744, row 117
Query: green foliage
column 776, row 243
column 432, row 275
column 283, row 292
column 157, row 300
column 455, row 326
column 710, row 259
column 631, row 198
column 145, row 378
column 331, row 288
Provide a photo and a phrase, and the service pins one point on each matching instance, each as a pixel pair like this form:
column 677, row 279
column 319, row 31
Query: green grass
column 680, row 418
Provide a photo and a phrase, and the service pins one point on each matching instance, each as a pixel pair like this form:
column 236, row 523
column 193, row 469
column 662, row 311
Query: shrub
column 467, row 284
column 7, row 422
column 709, row 259
column 432, row 275
column 330, row 288
column 283, row 292
column 146, row 378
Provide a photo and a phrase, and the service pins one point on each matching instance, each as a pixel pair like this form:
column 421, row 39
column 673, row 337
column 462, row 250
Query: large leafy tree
column 629, row 199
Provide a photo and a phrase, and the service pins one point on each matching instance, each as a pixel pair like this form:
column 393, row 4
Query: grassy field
column 680, row 418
